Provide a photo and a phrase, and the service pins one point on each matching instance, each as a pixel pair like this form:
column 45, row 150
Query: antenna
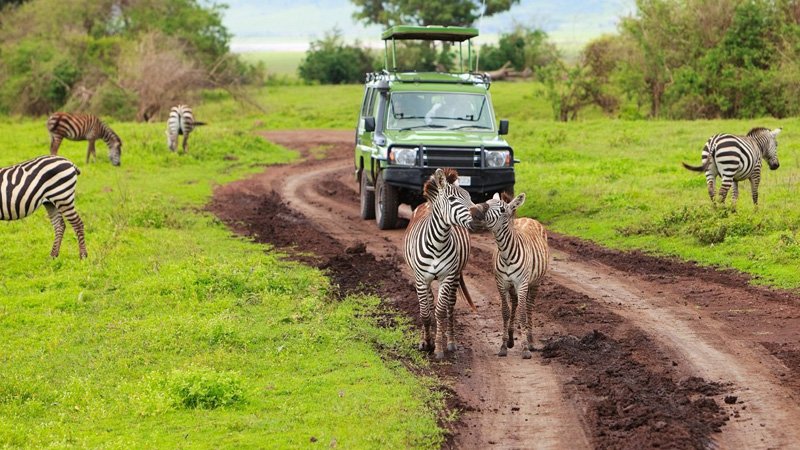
column 478, row 47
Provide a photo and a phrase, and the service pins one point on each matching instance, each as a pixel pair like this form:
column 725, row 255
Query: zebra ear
column 496, row 196
column 439, row 178
column 775, row 131
column 517, row 202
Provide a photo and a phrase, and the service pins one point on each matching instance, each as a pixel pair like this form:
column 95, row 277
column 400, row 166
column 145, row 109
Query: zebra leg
column 754, row 182
column 514, row 295
column 90, row 152
column 725, row 185
column 451, row 316
column 529, row 302
column 522, row 293
column 711, row 179
column 77, row 224
column 58, row 227
column 424, row 295
column 735, row 195
column 442, row 316
column 55, row 142
column 506, row 313
column 185, row 139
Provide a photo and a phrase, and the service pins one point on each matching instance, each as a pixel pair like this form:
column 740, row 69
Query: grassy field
column 616, row 182
column 281, row 63
column 173, row 333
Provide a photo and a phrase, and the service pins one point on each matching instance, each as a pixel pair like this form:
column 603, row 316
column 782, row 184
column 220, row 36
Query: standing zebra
column 520, row 262
column 736, row 158
column 181, row 121
column 83, row 127
column 436, row 245
column 48, row 181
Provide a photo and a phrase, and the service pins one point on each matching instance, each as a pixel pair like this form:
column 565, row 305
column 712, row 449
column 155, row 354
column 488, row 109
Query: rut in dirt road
column 626, row 352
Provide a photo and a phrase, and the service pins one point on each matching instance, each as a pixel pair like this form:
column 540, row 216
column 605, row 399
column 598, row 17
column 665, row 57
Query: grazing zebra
column 181, row 121
column 48, row 181
column 83, row 127
column 520, row 262
column 436, row 245
column 736, row 158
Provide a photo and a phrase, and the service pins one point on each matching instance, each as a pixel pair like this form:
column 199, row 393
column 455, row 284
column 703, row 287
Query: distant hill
column 291, row 24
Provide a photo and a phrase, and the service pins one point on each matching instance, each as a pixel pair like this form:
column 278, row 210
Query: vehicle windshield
column 439, row 110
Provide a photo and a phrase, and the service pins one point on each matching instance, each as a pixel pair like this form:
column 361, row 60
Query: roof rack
column 473, row 78
column 429, row 33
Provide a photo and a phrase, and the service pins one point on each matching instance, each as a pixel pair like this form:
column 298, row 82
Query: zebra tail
column 700, row 168
column 466, row 295
column 199, row 124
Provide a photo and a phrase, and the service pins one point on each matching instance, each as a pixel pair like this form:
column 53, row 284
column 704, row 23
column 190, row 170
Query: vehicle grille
column 451, row 157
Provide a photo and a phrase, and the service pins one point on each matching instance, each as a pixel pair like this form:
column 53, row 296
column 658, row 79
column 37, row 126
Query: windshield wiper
column 470, row 126
column 433, row 125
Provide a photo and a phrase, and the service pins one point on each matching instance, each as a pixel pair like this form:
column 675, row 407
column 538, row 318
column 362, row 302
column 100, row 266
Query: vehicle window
column 439, row 110
column 373, row 104
column 366, row 106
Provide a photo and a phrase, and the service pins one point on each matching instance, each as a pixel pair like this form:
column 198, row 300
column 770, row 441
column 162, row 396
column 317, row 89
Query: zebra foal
column 520, row 262
column 181, row 122
column 48, row 181
column 735, row 158
column 436, row 247
column 83, row 127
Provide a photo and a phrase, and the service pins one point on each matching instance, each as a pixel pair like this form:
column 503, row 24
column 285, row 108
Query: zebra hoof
column 510, row 342
column 526, row 354
column 425, row 347
column 503, row 351
column 439, row 356
column 451, row 347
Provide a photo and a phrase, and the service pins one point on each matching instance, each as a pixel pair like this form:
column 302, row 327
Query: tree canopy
column 427, row 12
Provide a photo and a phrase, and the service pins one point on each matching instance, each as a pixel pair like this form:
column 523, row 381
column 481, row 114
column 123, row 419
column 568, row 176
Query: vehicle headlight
column 498, row 158
column 403, row 156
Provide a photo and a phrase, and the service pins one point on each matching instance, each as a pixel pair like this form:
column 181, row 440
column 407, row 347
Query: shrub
column 330, row 61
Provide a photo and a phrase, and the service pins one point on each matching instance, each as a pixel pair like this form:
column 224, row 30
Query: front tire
column 387, row 202
column 367, row 199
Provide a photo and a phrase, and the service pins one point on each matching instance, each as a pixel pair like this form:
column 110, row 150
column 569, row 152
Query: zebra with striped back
column 181, row 122
column 521, row 261
column 83, row 127
column 46, row 180
column 735, row 158
column 436, row 246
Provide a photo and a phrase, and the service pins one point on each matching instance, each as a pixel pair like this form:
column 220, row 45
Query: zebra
column 83, row 127
column 520, row 262
column 46, row 180
column 436, row 247
column 736, row 158
column 181, row 121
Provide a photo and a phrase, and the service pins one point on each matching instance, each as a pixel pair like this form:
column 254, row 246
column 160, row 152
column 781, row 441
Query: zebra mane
column 430, row 190
column 756, row 131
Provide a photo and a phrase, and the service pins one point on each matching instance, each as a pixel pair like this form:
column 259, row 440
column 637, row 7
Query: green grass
column 173, row 333
column 281, row 63
column 616, row 182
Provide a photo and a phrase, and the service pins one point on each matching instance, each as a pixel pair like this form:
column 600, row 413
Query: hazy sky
column 291, row 24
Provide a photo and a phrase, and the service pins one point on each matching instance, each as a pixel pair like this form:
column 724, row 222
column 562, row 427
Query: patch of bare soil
column 639, row 352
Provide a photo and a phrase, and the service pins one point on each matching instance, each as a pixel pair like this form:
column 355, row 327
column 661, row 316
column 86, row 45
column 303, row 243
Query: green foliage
column 67, row 52
column 204, row 388
column 523, row 48
column 330, row 61
column 422, row 12
column 695, row 59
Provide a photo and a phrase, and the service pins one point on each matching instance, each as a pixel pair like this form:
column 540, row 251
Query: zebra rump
column 46, row 180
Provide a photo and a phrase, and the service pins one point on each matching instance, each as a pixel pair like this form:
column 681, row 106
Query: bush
column 524, row 48
column 330, row 61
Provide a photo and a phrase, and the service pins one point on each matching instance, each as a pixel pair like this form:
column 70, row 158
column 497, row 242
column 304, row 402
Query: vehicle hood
column 456, row 138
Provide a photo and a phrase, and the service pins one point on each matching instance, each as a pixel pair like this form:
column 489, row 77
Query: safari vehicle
column 412, row 123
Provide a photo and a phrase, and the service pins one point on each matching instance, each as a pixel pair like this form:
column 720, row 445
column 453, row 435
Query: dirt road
column 636, row 351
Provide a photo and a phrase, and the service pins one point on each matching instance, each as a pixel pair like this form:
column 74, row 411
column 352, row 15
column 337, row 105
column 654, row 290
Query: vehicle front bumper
column 482, row 181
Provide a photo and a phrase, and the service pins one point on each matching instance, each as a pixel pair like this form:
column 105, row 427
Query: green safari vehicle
column 412, row 123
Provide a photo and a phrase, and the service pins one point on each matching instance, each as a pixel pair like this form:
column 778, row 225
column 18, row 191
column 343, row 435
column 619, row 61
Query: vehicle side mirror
column 503, row 127
column 369, row 124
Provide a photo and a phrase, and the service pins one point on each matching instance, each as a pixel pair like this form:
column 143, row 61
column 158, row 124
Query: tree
column 523, row 47
column 426, row 12
column 330, row 61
